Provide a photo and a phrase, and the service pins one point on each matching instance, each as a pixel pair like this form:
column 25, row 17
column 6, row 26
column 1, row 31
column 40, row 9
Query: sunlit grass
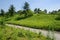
column 40, row 21
column 10, row 33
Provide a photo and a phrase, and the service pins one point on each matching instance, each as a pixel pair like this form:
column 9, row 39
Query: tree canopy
column 11, row 10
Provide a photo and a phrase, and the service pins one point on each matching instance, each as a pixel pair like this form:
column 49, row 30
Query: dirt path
column 44, row 32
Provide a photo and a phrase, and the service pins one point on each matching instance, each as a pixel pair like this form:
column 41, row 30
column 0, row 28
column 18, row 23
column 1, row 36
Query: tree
column 26, row 6
column 26, row 10
column 2, row 12
column 59, row 10
column 11, row 10
column 2, row 21
column 35, row 10
column 38, row 10
column 54, row 12
column 45, row 11
column 20, row 11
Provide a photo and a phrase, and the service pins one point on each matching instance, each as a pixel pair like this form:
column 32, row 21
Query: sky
column 42, row 4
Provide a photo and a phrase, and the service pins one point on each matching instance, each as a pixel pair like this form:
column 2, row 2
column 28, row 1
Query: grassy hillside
column 40, row 21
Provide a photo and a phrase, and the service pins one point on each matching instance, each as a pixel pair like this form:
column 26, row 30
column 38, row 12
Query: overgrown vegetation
column 35, row 19
column 38, row 21
column 10, row 33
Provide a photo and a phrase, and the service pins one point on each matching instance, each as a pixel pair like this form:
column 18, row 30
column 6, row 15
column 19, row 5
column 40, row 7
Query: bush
column 57, row 18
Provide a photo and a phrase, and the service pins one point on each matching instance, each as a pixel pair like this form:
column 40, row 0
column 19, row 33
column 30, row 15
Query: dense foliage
column 2, row 12
column 11, row 10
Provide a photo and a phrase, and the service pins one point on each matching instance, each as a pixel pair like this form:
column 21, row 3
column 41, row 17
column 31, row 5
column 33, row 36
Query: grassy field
column 10, row 33
column 40, row 21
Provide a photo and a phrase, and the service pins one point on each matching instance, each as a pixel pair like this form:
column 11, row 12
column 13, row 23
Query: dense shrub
column 58, row 17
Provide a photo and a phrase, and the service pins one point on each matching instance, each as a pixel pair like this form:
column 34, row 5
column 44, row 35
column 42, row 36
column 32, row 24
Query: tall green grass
column 40, row 21
column 10, row 33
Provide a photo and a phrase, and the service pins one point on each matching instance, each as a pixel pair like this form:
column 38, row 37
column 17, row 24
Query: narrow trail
column 44, row 32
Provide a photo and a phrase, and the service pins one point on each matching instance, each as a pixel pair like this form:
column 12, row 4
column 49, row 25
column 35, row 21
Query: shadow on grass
column 21, row 18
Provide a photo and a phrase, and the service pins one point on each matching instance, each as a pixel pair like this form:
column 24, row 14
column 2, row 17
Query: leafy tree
column 26, row 9
column 35, row 10
column 2, row 12
column 59, row 10
column 11, row 10
column 38, row 10
column 20, row 12
column 26, row 6
column 2, row 20
column 41, row 12
column 30, row 12
column 54, row 12
column 45, row 11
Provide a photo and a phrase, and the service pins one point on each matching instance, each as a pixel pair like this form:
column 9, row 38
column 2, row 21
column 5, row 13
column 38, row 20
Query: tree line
column 26, row 11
